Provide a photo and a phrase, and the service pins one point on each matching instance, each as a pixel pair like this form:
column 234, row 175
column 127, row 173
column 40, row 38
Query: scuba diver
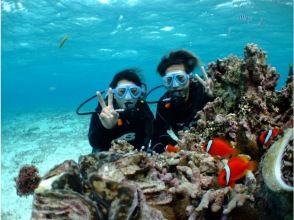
column 123, row 116
column 185, row 96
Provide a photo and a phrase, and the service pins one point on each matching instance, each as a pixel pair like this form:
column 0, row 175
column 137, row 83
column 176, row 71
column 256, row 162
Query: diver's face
column 127, row 94
column 176, row 88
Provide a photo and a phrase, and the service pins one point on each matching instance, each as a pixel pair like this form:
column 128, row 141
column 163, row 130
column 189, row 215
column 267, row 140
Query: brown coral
column 246, row 102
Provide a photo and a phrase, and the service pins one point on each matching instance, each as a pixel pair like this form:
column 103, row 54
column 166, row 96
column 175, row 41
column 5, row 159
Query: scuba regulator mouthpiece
column 176, row 99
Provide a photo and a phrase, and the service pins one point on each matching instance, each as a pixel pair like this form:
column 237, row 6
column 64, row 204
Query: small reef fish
column 63, row 40
column 235, row 169
column 266, row 138
column 219, row 147
column 171, row 148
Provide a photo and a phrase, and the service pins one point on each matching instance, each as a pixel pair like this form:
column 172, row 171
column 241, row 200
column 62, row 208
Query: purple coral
column 27, row 180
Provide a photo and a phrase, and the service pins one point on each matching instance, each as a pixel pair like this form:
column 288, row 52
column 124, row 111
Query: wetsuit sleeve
column 160, row 136
column 99, row 137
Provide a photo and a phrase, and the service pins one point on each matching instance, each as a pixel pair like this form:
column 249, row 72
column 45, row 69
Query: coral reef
column 246, row 102
column 135, row 185
column 27, row 180
column 126, row 184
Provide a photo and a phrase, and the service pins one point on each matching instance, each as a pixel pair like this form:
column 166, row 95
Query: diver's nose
column 128, row 96
column 175, row 84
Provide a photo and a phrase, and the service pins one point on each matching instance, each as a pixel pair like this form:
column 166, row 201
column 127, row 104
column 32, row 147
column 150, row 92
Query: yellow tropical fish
column 63, row 40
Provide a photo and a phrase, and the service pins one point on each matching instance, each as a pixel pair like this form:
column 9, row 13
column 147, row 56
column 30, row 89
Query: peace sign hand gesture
column 207, row 82
column 108, row 115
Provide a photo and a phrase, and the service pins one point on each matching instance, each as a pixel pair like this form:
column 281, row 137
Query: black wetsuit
column 176, row 118
column 136, row 128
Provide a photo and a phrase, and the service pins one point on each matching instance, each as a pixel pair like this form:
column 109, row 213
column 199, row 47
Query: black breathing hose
column 82, row 104
column 92, row 97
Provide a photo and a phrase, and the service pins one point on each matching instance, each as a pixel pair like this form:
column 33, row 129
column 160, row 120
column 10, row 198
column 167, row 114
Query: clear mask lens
column 133, row 91
column 175, row 79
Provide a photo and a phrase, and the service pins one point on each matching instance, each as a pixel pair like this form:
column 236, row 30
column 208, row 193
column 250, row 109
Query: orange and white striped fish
column 267, row 138
column 171, row 148
column 219, row 147
column 235, row 169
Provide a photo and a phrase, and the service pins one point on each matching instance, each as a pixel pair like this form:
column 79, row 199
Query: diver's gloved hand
column 108, row 116
column 207, row 82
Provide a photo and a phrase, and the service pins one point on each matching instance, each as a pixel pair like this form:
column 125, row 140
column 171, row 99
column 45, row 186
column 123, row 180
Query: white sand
column 42, row 139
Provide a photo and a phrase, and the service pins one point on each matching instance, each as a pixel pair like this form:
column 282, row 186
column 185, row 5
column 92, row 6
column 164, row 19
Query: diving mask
column 128, row 91
column 175, row 79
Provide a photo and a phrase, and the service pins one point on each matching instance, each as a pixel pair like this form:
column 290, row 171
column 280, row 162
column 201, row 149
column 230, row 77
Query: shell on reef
column 63, row 176
column 63, row 204
column 120, row 200
column 274, row 161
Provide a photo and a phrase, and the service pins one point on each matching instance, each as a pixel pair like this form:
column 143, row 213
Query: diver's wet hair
column 128, row 74
column 189, row 60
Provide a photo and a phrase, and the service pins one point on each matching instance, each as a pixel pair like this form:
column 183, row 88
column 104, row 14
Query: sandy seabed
column 41, row 139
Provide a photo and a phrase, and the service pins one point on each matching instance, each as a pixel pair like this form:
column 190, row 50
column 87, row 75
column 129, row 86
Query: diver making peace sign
column 184, row 97
column 123, row 115
column 108, row 116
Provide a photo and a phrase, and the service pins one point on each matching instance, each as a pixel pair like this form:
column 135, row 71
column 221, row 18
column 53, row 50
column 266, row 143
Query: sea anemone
column 27, row 180
column 277, row 167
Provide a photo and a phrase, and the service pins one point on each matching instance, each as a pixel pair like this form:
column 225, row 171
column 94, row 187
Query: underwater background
column 106, row 36
column 56, row 54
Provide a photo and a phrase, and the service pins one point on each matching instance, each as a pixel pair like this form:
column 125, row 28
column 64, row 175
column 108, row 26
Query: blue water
column 106, row 36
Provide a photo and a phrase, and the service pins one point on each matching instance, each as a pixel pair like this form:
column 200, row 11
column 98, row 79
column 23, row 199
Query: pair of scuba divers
column 125, row 113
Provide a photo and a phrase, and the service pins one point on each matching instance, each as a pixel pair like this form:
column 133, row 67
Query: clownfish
column 266, row 138
column 235, row 169
column 219, row 147
column 171, row 148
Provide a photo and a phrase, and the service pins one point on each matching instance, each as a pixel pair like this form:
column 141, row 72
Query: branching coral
column 189, row 181
column 215, row 201
column 212, row 197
